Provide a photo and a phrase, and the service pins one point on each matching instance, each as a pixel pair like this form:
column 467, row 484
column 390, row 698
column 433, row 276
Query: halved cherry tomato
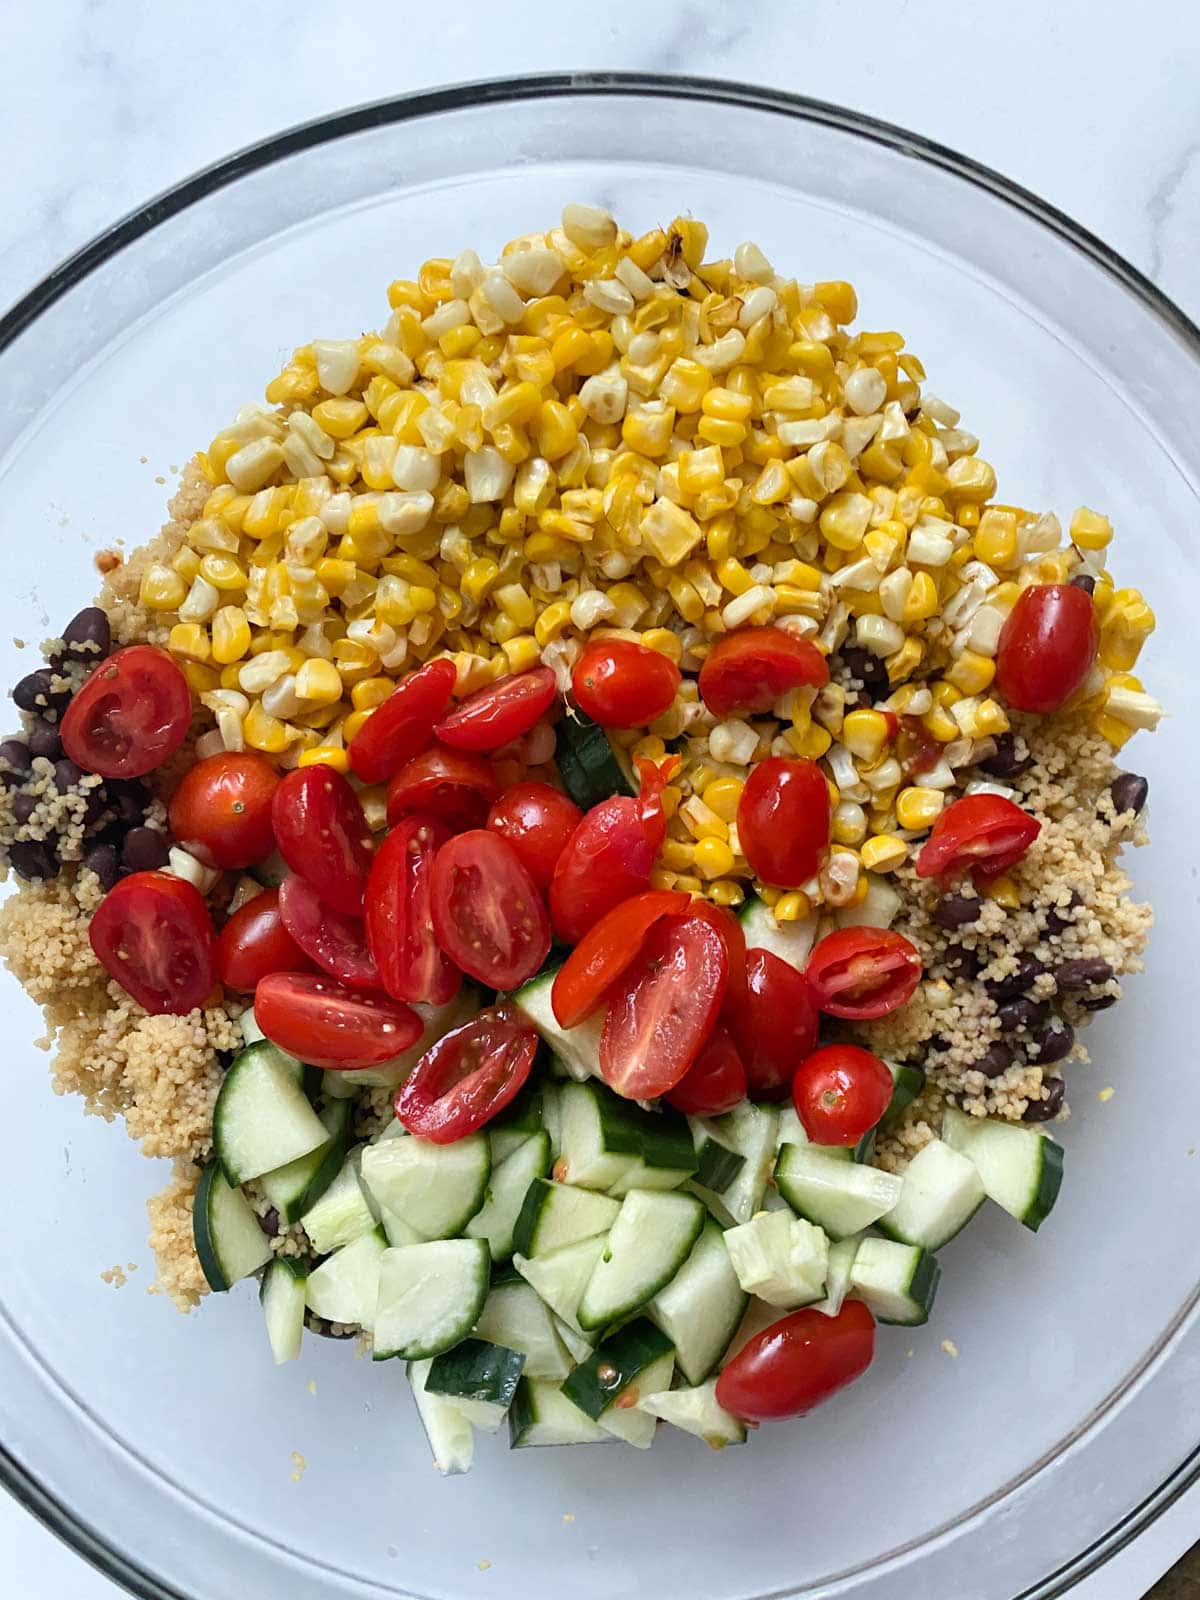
column 488, row 915
column 862, row 973
column 730, row 929
column 221, row 810
column 604, row 952
column 455, row 786
column 620, row 684
column 399, row 915
column 777, row 1025
column 714, row 1083
column 610, row 855
column 335, row 942
column 840, row 1093
column 468, row 1076
column 1046, row 647
column 663, row 1008
column 537, row 820
column 783, row 821
column 500, row 712
column 152, row 933
column 797, row 1362
column 751, row 669
column 254, row 942
column 326, row 1024
column 130, row 715
column 983, row 834
column 402, row 726
column 322, row 834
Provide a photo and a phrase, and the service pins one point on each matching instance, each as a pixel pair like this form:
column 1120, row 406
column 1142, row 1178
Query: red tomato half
column 487, row 913
column 840, row 1093
column 1047, row 646
column 604, row 952
column 402, row 726
column 153, row 935
column 983, row 834
column 730, row 929
column 468, row 1076
column 254, row 943
column 501, row 712
column 714, row 1083
column 783, row 821
column 326, row 1024
column 863, row 973
column 663, row 1008
column 620, row 684
column 777, row 1027
column 337, row 943
column 797, row 1362
column 751, row 669
column 455, row 786
column 322, row 834
column 221, row 810
column 610, row 855
column 537, row 820
column 400, row 916
column 130, row 715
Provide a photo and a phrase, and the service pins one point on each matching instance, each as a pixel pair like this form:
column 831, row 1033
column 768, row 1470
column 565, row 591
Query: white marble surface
column 1090, row 103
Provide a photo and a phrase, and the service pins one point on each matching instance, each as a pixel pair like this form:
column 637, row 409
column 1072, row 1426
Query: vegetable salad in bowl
column 590, row 838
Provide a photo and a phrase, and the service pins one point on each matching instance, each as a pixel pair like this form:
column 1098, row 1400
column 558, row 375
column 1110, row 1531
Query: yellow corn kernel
column 700, row 470
column 352, row 724
column 554, row 430
column 479, row 577
column 161, row 588
column 661, row 878
column 685, row 384
column 725, row 892
column 514, row 601
column 292, row 385
column 189, row 640
column 722, row 796
column 713, row 858
column 670, row 532
column 553, row 622
column 918, row 808
column 341, row 417
column 922, row 601
column 521, row 652
column 230, row 635
column 972, row 673
column 971, row 480
column 844, row 520
column 1089, row 530
column 884, row 853
column 720, row 537
column 569, row 346
column 941, row 724
column 990, row 718
column 792, row 907
column 665, row 642
column 264, row 732
column 679, row 854
column 811, row 742
column 370, row 692
column 1004, row 892
column 319, row 681
column 186, row 563
column 996, row 537
column 721, row 432
column 223, row 572
column 648, row 432
column 325, row 755
column 838, row 298
column 864, row 733
column 733, row 576
column 1111, row 728
column 905, row 661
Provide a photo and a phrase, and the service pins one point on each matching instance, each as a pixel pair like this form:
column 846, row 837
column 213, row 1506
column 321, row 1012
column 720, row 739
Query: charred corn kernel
column 553, row 622
column 230, row 635
column 792, row 907
column 664, row 642
column 265, row 732
column 996, row 537
column 725, row 892
column 922, row 601
column 941, row 724
column 325, row 755
column 971, row 673
column 161, row 588
column 1089, row 530
column 918, row 808
column 188, row 639
column 713, row 858
column 319, row 681
column 1004, row 892
column 864, row 733
column 722, row 796
column 678, row 854
column 812, row 742
column 521, row 652
column 370, row 692
column 883, row 853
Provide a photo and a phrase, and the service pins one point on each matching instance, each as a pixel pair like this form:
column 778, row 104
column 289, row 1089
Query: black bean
column 44, row 740
column 14, row 755
column 144, row 850
column 1084, row 581
column 93, row 806
column 1054, row 1040
column 33, row 858
column 66, row 774
column 997, row 1058
column 962, row 962
column 1005, row 762
column 1057, row 920
column 33, row 693
column 1018, row 982
column 1022, row 1014
column 957, row 910
column 867, row 667
column 88, row 628
column 1129, row 791
column 1099, row 1002
column 1043, row 1110
column 1083, row 972
column 269, row 1223
column 128, row 799
column 24, row 805
column 103, row 861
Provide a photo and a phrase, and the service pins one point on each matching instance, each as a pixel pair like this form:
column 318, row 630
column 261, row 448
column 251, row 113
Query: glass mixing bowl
column 161, row 1446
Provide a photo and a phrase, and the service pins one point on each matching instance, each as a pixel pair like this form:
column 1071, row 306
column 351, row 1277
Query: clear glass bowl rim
column 87, row 1541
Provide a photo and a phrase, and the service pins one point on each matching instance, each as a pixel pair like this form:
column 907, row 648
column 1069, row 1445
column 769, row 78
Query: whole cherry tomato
column 604, row 952
column 455, row 786
column 488, row 915
column 254, row 942
column 335, row 942
column 620, row 684
column 130, row 715
column 322, row 1022
column 714, row 1083
column 322, row 834
column 399, row 915
column 500, row 712
column 537, row 820
column 221, row 810
column 776, row 1027
column 840, row 1092
column 783, row 821
column 753, row 668
column 983, row 834
column 402, row 726
column 797, row 1362
column 152, row 933
column 468, row 1076
column 1047, row 646
column 863, row 973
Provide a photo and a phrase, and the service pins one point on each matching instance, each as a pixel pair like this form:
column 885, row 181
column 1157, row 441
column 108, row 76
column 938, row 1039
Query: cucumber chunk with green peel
column 1021, row 1169
column 294, row 1188
column 624, row 1420
column 345, row 1287
column 561, row 1276
column 398, row 1231
column 717, row 1163
column 515, row 1316
column 450, row 1437
column 230, row 1245
column 592, row 768
column 507, row 1187
column 541, row 1414
column 576, row 1049
column 751, row 1131
column 283, row 1303
column 790, row 941
column 696, row 1411
column 479, row 1378
column 668, row 1156
column 941, row 1191
column 898, row 1282
column 702, row 1306
column 262, row 1118
column 650, row 1241
column 435, row 1188
column 430, row 1297
column 600, row 1138
column 343, row 1213
column 616, row 1366
column 842, row 1197
column 782, row 1259
column 907, row 1082
column 579, row 1345
column 556, row 1214
column 792, row 1131
column 842, row 1255
column 516, row 1124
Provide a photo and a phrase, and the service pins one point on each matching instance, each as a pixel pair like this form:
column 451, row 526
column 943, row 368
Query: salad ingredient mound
column 590, row 839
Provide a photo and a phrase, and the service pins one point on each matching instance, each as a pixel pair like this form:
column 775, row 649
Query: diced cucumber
column 479, row 1378
column 561, row 1276
column 941, row 1191
column 397, row 1230
column 878, row 909
column 552, row 1116
column 578, row 1048
column 616, row 1365
column 792, row 1131
column 837, row 1281
column 505, row 1195
column 592, row 768
column 696, row 1411
column 759, row 1316
column 555, row 1214
column 230, row 1245
column 579, row 1345
column 438, row 1020
column 668, row 1157
column 517, row 1123
column 624, row 1420
column 435, row 1188
column 262, row 1118
column 447, row 1429
column 430, row 1297
column 1021, row 1168
column 782, row 1259
column 908, row 1080
column 541, row 1414
column 717, row 1163
column 750, row 1130
column 600, row 1138
column 842, row 1197
column 299, row 1185
column 309, row 1078
column 343, row 1213
column 790, row 941
column 897, row 1282
column 650, row 1241
column 700, row 1309
column 345, row 1287
column 282, row 1296
column 515, row 1316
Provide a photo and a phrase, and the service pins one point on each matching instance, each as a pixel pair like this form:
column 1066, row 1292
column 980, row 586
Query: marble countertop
column 1095, row 108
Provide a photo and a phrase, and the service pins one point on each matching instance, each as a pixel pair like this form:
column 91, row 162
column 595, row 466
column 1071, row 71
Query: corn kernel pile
column 603, row 434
